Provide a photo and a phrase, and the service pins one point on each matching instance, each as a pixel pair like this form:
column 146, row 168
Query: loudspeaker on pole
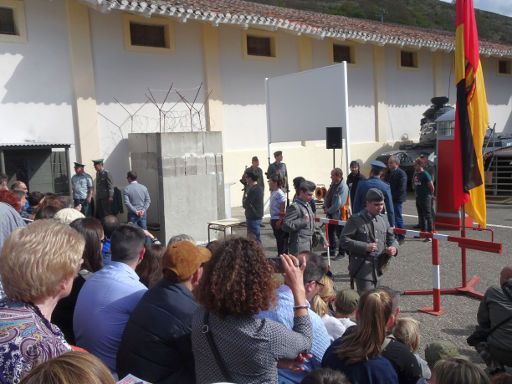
column 333, row 137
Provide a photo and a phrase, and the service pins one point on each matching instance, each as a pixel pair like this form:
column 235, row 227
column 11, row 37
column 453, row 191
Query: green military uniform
column 360, row 230
column 104, row 192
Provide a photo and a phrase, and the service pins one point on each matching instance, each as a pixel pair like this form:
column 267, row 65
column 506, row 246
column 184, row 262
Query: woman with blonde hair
column 70, row 368
column 37, row 265
column 321, row 305
column 358, row 354
column 458, row 370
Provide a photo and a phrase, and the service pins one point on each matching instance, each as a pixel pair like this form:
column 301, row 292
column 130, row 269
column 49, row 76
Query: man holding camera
column 370, row 242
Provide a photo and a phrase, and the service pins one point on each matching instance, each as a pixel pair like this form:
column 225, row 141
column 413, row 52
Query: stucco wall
column 127, row 76
column 35, row 82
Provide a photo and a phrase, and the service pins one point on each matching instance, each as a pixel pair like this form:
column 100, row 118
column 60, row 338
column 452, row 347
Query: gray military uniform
column 299, row 227
column 360, row 230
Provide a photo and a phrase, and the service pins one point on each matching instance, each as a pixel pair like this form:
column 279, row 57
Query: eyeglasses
column 318, row 283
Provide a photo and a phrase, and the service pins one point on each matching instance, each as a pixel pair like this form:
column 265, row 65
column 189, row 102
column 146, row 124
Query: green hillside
column 432, row 14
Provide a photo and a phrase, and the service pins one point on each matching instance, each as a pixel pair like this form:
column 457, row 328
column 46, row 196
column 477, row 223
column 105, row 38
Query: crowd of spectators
column 90, row 301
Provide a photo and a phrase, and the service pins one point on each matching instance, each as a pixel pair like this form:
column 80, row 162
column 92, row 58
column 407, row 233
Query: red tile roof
column 248, row 14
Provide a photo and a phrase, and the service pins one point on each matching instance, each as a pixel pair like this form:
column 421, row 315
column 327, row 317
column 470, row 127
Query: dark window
column 408, row 59
column 148, row 35
column 505, row 67
column 342, row 53
column 259, row 46
column 7, row 25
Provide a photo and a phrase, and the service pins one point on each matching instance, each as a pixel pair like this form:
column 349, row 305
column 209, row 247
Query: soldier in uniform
column 279, row 168
column 81, row 183
column 299, row 220
column 370, row 242
column 104, row 190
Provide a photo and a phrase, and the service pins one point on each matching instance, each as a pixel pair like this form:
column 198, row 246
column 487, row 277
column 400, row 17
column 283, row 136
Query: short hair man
column 81, row 184
column 299, row 220
column 494, row 308
column 283, row 313
column 21, row 191
column 397, row 179
column 104, row 190
column 279, row 168
column 374, row 181
column 255, row 168
column 253, row 205
column 156, row 345
column 353, row 180
column 107, row 299
column 370, row 241
column 137, row 200
column 109, row 223
column 334, row 201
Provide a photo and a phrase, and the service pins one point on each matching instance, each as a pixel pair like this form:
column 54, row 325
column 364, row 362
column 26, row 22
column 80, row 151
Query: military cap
column 374, row 194
column 376, row 164
column 99, row 161
column 79, row 165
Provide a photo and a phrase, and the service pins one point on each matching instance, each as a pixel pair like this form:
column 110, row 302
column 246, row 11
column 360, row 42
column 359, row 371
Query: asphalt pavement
column 412, row 270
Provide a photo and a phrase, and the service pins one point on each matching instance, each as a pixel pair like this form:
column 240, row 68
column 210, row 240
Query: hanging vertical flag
column 471, row 117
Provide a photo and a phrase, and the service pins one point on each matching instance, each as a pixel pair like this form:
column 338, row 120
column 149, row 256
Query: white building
column 87, row 73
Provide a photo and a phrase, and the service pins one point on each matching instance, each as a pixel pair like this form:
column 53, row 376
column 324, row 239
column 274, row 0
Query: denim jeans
column 140, row 221
column 399, row 220
column 253, row 229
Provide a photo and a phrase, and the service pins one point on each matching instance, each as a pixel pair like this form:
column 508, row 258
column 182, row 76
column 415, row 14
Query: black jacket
column 156, row 345
column 253, row 203
column 398, row 184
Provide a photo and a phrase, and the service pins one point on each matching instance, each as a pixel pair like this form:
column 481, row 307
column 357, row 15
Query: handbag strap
column 503, row 321
column 218, row 358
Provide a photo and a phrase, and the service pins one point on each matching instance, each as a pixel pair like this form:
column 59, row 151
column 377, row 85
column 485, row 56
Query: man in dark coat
column 156, row 345
column 397, row 179
column 253, row 204
column 374, row 181
column 104, row 190
column 369, row 240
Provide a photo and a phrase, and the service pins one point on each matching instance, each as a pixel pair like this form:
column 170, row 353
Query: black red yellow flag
column 471, row 118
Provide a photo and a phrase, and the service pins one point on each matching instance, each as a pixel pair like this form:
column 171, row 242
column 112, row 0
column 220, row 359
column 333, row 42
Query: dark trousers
column 334, row 232
column 424, row 207
column 85, row 206
column 103, row 207
column 281, row 237
column 399, row 220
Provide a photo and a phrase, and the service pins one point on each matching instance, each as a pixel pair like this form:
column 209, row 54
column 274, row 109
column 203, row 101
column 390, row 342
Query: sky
column 503, row 7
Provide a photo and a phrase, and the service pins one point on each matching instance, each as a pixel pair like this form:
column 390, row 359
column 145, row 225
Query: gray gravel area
column 412, row 269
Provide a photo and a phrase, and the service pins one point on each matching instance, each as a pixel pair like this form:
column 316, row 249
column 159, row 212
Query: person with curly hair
column 229, row 342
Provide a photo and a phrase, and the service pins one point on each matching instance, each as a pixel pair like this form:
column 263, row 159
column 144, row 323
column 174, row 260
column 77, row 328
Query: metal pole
column 2, row 162
column 333, row 158
column 436, row 277
column 463, row 249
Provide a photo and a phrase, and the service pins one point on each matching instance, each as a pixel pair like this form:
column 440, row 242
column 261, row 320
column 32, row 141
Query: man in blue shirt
column 283, row 313
column 374, row 181
column 107, row 299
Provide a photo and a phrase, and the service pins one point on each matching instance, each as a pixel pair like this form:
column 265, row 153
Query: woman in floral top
column 37, row 266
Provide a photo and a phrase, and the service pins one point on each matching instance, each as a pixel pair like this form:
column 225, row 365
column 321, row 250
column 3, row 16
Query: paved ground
column 412, row 270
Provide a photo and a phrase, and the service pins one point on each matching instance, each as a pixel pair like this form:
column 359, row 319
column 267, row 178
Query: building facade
column 87, row 73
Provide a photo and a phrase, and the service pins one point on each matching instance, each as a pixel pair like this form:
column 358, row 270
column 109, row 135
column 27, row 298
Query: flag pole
column 463, row 249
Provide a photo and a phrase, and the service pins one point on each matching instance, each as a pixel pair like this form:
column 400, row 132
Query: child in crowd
column 439, row 350
column 407, row 331
column 458, row 370
column 346, row 304
column 321, row 305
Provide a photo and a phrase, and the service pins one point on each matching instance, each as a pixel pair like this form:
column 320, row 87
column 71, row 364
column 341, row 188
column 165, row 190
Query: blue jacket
column 360, row 199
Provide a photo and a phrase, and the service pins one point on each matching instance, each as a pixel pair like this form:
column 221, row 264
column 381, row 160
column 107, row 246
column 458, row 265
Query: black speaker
column 333, row 137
